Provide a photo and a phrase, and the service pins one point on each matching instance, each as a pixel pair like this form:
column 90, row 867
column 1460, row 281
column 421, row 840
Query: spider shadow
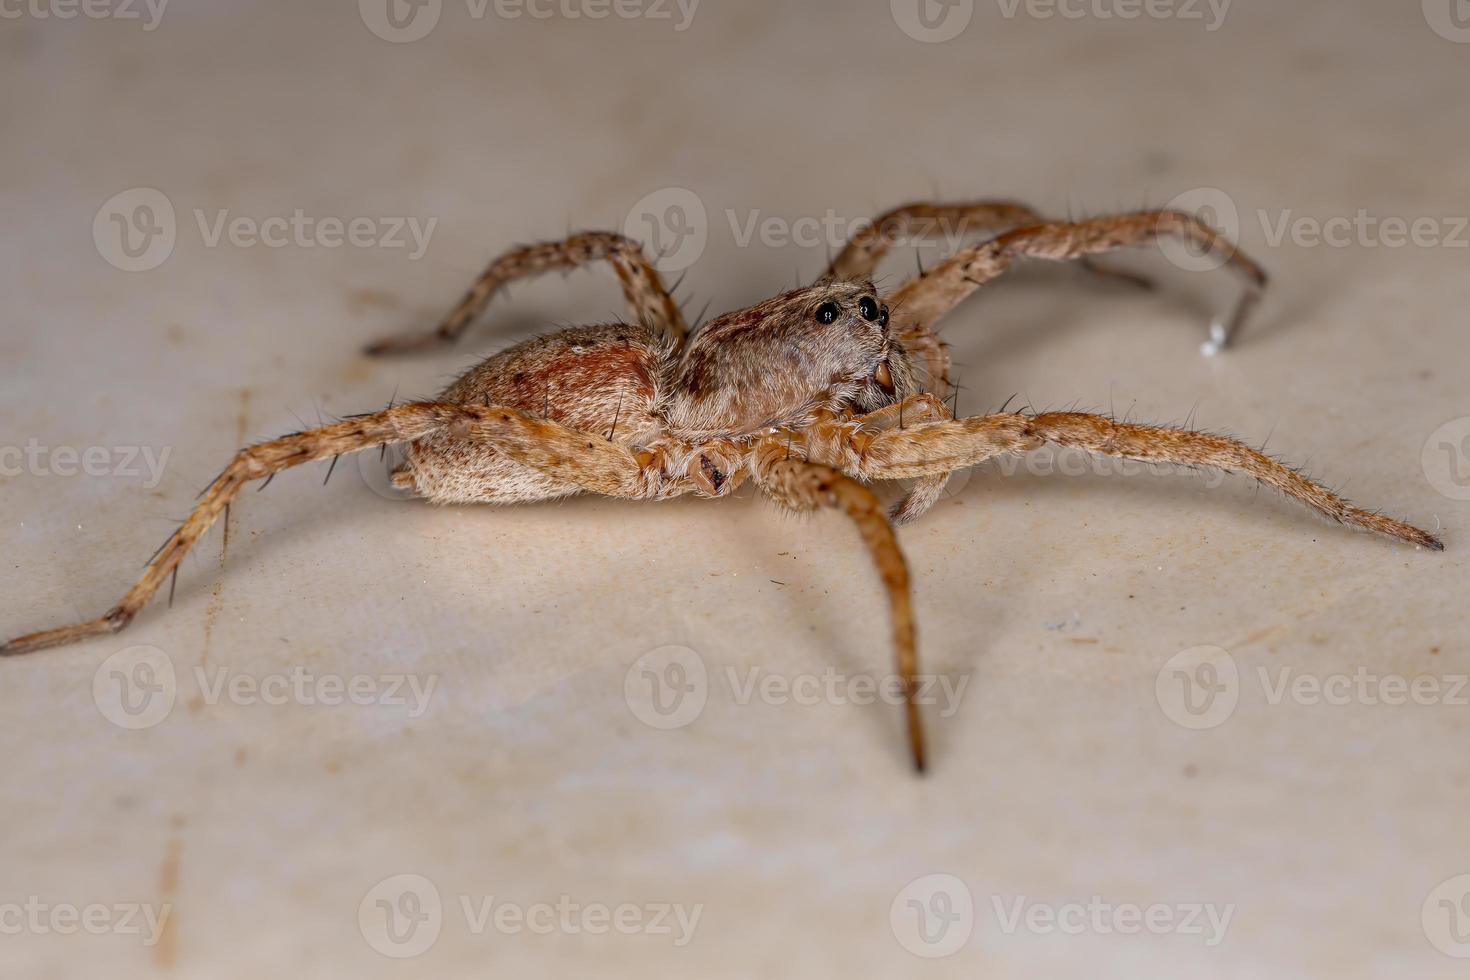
column 255, row 546
column 838, row 563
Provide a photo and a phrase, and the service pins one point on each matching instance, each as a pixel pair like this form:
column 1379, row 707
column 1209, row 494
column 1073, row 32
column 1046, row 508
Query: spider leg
column 950, row 224
column 804, row 486
column 591, row 462
column 913, row 410
column 919, row 303
column 923, row 223
column 642, row 287
column 938, row 447
column 922, row 407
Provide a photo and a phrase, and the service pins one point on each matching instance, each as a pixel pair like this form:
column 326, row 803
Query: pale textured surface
column 528, row 777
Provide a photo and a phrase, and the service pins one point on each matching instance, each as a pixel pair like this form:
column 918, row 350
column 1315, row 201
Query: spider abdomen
column 606, row 380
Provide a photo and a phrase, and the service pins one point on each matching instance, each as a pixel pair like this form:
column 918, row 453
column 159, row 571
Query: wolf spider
column 813, row 394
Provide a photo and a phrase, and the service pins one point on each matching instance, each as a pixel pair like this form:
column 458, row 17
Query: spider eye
column 828, row 312
column 883, row 318
column 868, row 308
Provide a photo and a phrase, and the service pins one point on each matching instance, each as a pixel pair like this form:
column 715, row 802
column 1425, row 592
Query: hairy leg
column 924, row 223
column 642, row 286
column 922, row 407
column 946, row 224
column 939, row 447
column 919, row 303
column 914, row 410
column 591, row 462
column 804, row 486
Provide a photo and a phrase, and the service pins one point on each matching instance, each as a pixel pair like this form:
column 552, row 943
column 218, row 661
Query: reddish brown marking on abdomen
column 583, row 378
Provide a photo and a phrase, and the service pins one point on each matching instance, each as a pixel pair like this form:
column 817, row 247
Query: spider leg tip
column 30, row 643
column 1219, row 339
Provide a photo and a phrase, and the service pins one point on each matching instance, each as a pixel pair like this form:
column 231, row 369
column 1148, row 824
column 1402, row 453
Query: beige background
column 1323, row 828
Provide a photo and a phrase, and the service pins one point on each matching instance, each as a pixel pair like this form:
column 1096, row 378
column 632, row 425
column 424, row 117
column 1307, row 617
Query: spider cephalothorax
column 813, row 394
column 826, row 347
